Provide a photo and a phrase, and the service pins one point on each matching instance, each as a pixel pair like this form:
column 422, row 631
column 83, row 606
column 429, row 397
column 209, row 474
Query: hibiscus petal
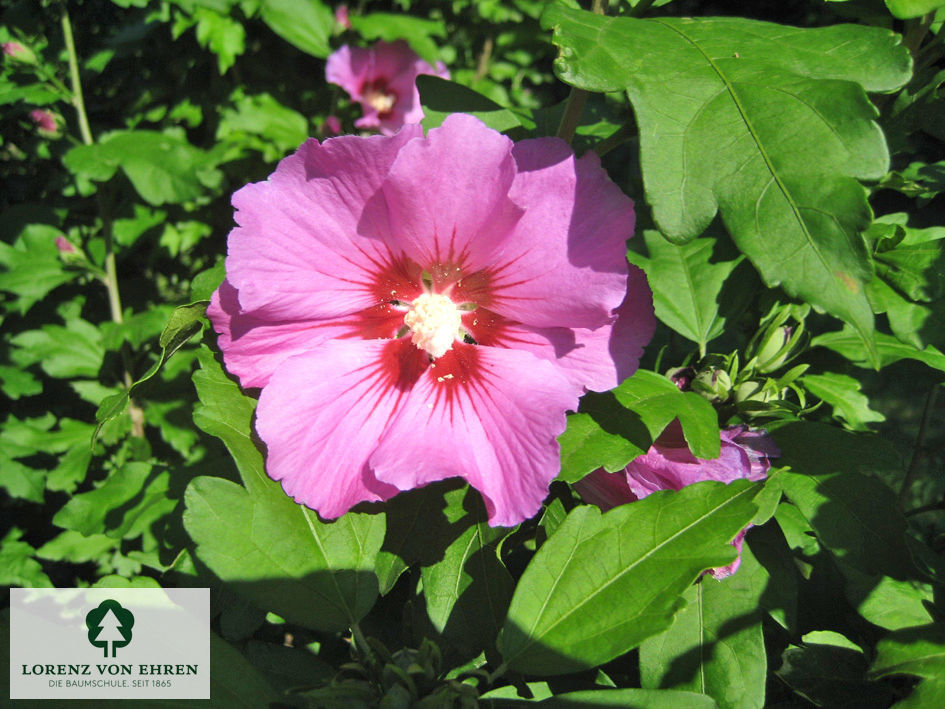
column 595, row 360
column 323, row 413
column 253, row 347
column 299, row 252
column 447, row 196
column 485, row 414
column 566, row 263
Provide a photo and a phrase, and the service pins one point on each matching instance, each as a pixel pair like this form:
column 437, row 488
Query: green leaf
column 602, row 435
column 467, row 592
column 689, row 285
column 441, row 97
column 629, row 699
column 122, row 505
column 390, row 27
column 928, row 693
column 16, row 382
column 17, row 565
column 234, row 682
column 261, row 122
column 715, row 645
column 855, row 516
column 778, row 157
column 76, row 548
column 843, row 394
column 890, row 349
column 906, row 9
column 185, row 322
column 886, row 602
column 288, row 667
column 223, row 411
column 305, row 24
column 604, row 583
column 829, row 670
column 222, row 35
column 162, row 167
column 658, row 401
column 31, row 268
column 280, row 556
column 918, row 651
column 21, row 481
column 62, row 352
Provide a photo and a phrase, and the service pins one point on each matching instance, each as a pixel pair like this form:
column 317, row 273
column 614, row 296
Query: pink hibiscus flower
column 669, row 465
column 383, row 79
column 419, row 308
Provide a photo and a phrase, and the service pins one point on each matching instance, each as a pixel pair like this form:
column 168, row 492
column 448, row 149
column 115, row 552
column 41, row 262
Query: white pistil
column 435, row 322
column 380, row 101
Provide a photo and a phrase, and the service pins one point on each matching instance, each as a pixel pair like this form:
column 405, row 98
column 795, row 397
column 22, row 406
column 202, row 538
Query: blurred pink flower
column 669, row 465
column 13, row 49
column 341, row 16
column 44, row 120
column 64, row 245
column 418, row 308
column 383, row 79
column 331, row 126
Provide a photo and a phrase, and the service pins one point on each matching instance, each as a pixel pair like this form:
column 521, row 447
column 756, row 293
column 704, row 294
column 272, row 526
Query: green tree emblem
column 109, row 623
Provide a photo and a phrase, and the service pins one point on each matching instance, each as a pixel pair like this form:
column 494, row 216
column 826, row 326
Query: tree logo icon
column 109, row 623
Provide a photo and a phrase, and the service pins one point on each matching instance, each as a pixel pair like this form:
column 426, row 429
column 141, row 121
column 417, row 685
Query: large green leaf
column 715, row 645
column 604, row 583
column 629, row 699
column 602, row 435
column 306, row 24
column 855, row 516
column 905, row 9
column 844, row 395
column 274, row 552
column 767, row 124
column 281, row 556
column 467, row 592
column 688, row 282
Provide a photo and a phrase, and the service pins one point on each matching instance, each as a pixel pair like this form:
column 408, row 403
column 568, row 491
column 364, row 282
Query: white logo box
column 148, row 643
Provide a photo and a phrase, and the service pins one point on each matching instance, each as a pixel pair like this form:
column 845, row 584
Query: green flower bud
column 713, row 383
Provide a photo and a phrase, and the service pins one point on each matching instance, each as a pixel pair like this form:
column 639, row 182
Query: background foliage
column 787, row 164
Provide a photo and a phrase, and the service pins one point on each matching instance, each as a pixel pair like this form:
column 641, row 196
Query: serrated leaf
column 688, row 282
column 76, row 548
column 17, row 565
column 658, row 401
column 261, row 122
column 280, row 556
column 779, row 157
column 602, row 435
column 21, row 481
column 715, row 645
column 604, row 583
column 844, row 395
column 62, row 352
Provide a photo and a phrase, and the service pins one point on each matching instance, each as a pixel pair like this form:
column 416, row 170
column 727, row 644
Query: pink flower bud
column 17, row 51
column 341, row 16
column 65, row 246
column 45, row 121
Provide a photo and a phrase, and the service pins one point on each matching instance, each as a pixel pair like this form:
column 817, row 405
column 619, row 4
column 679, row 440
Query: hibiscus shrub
column 487, row 353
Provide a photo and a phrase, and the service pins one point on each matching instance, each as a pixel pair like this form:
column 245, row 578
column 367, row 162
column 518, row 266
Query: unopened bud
column 18, row 52
column 341, row 17
column 753, row 390
column 331, row 126
column 46, row 122
column 682, row 377
column 713, row 384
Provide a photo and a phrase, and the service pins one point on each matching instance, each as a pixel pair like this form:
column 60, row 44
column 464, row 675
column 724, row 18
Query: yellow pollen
column 434, row 321
column 380, row 101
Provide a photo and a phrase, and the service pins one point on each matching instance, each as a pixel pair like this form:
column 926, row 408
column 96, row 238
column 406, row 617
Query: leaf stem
column 618, row 137
column 111, row 270
column 578, row 97
column 912, row 471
